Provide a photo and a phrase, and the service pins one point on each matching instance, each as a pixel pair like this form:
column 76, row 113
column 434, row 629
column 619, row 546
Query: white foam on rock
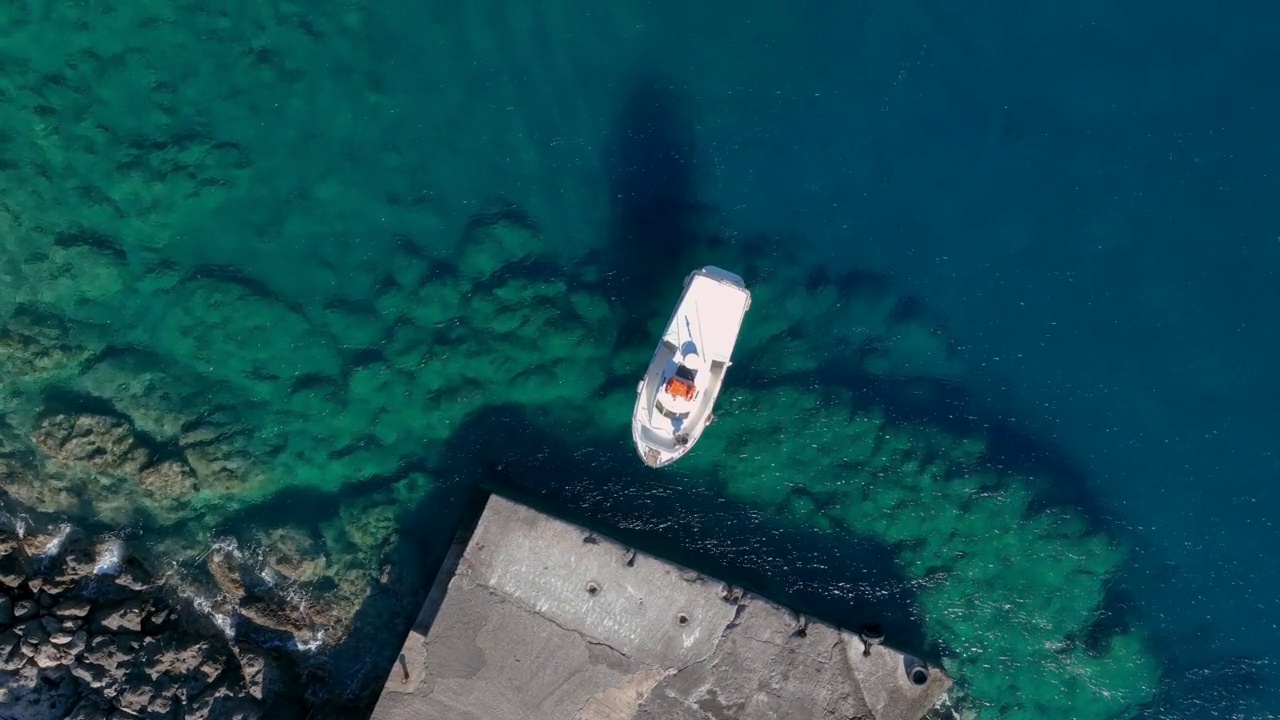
column 56, row 543
column 111, row 555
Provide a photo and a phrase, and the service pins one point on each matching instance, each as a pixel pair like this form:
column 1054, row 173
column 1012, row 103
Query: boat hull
column 705, row 323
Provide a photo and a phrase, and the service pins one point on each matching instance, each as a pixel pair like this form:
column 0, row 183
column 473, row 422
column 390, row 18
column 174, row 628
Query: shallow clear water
column 1003, row 387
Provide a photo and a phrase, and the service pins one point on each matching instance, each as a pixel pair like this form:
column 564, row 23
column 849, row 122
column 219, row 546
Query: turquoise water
column 1003, row 388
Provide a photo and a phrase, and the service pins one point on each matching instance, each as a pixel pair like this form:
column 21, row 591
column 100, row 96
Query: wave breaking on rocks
column 88, row 632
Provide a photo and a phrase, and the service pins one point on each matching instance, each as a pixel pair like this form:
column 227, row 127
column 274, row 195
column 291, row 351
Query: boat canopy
column 701, row 318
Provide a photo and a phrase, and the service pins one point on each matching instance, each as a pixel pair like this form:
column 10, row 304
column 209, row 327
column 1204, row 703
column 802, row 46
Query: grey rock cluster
column 76, row 643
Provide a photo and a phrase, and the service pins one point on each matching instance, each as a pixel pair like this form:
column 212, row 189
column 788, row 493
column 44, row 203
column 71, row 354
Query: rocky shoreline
column 86, row 633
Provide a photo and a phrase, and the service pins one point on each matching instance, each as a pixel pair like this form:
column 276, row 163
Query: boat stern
column 651, row 456
column 653, row 451
column 656, row 458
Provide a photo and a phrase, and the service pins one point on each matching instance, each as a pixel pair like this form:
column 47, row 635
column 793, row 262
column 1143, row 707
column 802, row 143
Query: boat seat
column 681, row 388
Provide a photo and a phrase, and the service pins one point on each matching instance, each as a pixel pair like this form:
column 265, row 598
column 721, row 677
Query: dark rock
column 160, row 705
column 57, row 586
column 225, row 574
column 12, row 661
column 78, row 643
column 50, row 655
column 12, row 573
column 72, row 609
column 211, row 428
column 258, row 670
column 223, row 703
column 89, row 708
column 124, row 618
column 11, row 657
column 35, row 546
column 158, row 618
column 133, row 698
column 95, row 676
column 199, row 662
column 77, row 563
column 34, row 693
column 33, row 632
column 102, row 654
column 135, row 577
column 274, row 615
column 127, row 653
column 176, row 674
column 24, row 609
column 129, row 643
column 38, row 348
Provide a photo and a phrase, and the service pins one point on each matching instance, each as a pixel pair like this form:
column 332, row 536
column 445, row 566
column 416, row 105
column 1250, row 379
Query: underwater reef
column 208, row 449
column 267, row 370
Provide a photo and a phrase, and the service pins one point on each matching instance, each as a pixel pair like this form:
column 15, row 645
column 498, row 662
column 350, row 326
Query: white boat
column 675, row 399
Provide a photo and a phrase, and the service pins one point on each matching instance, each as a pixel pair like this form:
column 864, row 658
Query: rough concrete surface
column 543, row 620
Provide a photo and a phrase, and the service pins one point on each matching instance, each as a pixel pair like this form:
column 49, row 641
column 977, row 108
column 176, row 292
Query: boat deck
column 709, row 298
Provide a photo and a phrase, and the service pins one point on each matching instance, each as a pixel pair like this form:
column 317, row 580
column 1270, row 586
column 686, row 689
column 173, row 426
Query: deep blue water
column 1088, row 190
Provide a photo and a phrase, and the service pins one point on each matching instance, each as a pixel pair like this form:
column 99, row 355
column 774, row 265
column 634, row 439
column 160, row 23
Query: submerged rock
column 169, row 480
column 146, row 386
column 225, row 573
column 294, row 554
column 102, row 442
column 102, row 460
column 277, row 615
column 38, row 343
column 219, row 463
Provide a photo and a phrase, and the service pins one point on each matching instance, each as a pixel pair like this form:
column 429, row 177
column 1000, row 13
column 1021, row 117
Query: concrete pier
column 539, row 619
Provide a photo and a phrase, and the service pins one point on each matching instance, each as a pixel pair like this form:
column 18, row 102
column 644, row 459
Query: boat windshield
column 684, row 372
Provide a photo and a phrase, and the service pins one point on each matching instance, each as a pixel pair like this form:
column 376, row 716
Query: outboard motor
column 917, row 671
